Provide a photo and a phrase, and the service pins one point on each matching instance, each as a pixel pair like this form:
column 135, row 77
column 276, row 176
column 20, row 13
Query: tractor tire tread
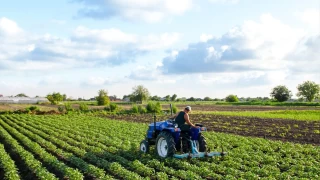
column 202, row 143
column 170, row 143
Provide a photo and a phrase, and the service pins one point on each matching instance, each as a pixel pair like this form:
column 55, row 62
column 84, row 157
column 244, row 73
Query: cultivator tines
column 196, row 154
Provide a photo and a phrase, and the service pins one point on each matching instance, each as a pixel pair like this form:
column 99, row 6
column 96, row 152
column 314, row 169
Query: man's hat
column 188, row 108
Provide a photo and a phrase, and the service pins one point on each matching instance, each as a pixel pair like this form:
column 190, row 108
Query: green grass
column 270, row 103
column 307, row 115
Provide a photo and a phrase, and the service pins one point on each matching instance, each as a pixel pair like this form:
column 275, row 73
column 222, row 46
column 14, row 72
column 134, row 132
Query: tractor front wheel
column 144, row 146
column 165, row 145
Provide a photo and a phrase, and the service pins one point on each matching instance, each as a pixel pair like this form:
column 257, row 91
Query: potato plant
column 87, row 147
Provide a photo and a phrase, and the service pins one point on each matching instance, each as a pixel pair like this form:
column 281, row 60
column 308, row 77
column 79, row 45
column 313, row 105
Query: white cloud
column 15, row 86
column 85, row 47
column 311, row 17
column 98, row 81
column 9, row 27
column 224, row 1
column 205, row 37
column 103, row 35
column 145, row 10
column 151, row 73
column 53, row 81
column 58, row 21
column 226, row 78
column 164, row 40
column 261, row 45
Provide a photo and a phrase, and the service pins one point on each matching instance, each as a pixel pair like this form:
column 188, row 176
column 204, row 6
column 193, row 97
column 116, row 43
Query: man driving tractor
column 183, row 117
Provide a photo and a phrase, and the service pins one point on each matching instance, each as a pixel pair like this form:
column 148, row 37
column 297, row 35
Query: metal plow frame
column 196, row 154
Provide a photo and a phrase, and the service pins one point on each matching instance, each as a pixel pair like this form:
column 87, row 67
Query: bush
column 142, row 109
column 135, row 109
column 61, row 109
column 107, row 108
column 113, row 107
column 103, row 98
column 83, row 107
column 232, row 98
column 32, row 108
column 174, row 108
column 68, row 107
column 154, row 107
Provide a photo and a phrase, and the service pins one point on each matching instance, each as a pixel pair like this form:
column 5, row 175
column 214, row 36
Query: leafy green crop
column 307, row 115
column 83, row 146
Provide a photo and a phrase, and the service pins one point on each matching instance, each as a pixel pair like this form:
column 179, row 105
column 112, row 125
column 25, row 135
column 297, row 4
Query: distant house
column 126, row 99
column 113, row 98
column 1, row 95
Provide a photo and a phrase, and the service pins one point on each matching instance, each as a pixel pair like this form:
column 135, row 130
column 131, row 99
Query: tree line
column 307, row 91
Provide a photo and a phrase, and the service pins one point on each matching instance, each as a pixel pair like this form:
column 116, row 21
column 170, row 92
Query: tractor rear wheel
column 144, row 146
column 165, row 145
column 202, row 143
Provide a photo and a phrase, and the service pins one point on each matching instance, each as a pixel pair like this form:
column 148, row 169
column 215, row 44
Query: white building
column 22, row 100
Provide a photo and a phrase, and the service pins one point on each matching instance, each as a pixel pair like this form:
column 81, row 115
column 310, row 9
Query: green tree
column 113, row 107
column 174, row 108
column 103, row 98
column 281, row 93
column 68, row 107
column 232, row 98
column 174, row 97
column 64, row 97
column 191, row 99
column 140, row 93
column 207, row 99
column 54, row 98
column 167, row 98
column 154, row 107
column 83, row 107
column 308, row 90
column 155, row 98
column 21, row 95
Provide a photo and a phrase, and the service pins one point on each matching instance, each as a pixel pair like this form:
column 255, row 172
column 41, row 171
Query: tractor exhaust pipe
column 154, row 123
column 171, row 109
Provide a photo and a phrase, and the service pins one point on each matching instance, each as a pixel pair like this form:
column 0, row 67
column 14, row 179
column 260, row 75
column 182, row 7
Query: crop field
column 88, row 147
column 294, row 126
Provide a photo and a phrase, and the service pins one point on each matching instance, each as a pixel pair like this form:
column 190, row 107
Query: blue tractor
column 170, row 141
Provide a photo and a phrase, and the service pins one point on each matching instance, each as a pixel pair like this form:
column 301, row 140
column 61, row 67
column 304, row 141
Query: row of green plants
column 46, row 157
column 69, row 154
column 303, row 115
column 150, row 107
column 109, row 153
column 248, row 158
column 27, row 157
column 8, row 166
column 59, row 137
column 101, row 149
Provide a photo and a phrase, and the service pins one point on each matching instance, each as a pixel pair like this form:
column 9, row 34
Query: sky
column 192, row 48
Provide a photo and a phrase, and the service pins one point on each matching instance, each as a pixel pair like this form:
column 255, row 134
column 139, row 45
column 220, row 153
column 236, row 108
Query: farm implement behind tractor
column 170, row 141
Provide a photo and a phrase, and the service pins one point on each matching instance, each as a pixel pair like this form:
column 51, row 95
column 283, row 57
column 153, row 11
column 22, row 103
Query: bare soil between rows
column 305, row 132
